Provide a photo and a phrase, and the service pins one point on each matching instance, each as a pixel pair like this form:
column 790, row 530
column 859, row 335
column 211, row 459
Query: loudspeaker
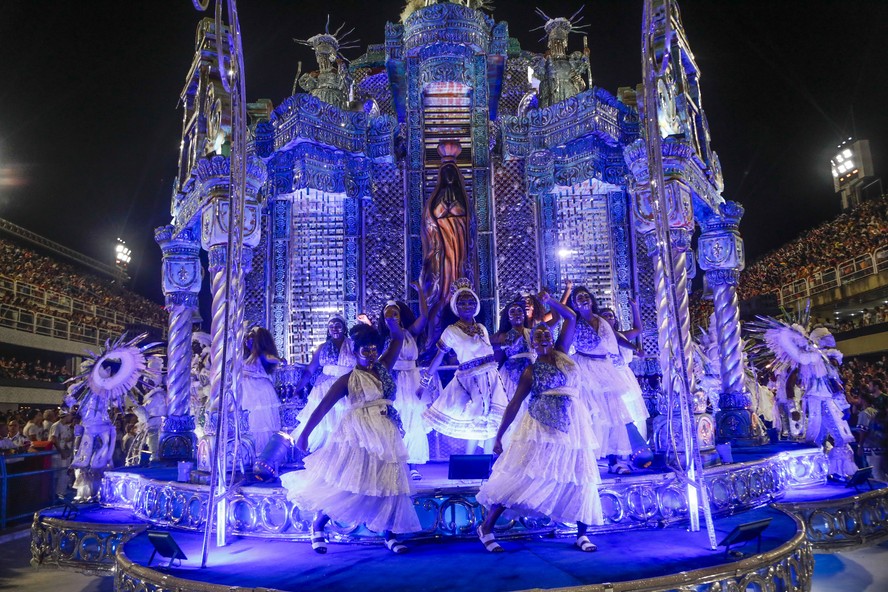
column 469, row 466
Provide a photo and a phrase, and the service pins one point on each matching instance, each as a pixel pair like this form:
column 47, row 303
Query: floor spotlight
column 163, row 544
column 744, row 533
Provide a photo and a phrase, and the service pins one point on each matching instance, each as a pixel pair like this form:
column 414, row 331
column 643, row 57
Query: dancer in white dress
column 513, row 343
column 550, row 467
column 633, row 397
column 360, row 474
column 258, row 395
column 513, row 340
column 334, row 358
column 411, row 401
column 597, row 354
column 472, row 404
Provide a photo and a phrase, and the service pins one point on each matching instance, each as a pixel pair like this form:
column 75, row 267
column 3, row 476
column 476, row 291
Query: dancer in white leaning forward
column 550, row 466
column 360, row 473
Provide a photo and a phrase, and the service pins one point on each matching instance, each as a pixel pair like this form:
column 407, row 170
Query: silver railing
column 38, row 311
column 848, row 271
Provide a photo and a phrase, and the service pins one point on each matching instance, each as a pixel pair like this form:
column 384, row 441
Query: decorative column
column 540, row 173
column 722, row 258
column 182, row 275
column 667, row 436
column 214, row 175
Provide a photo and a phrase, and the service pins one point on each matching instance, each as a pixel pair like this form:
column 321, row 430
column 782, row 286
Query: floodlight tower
column 122, row 255
column 852, row 170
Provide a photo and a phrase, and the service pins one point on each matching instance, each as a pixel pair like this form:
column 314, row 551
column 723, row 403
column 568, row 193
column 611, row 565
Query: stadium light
column 122, row 255
column 850, row 166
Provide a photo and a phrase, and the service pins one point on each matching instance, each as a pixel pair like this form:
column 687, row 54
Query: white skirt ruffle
column 320, row 435
column 460, row 410
column 261, row 400
column 634, row 401
column 359, row 475
column 602, row 387
column 410, row 408
column 548, row 472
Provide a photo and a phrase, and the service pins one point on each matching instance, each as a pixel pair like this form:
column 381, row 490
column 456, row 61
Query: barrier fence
column 28, row 482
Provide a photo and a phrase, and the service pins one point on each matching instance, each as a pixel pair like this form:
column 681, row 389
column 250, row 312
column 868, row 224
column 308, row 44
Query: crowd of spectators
column 860, row 230
column 866, row 382
column 14, row 368
column 20, row 263
column 869, row 316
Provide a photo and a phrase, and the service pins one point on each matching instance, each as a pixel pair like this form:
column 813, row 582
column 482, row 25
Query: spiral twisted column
column 727, row 321
column 681, row 244
column 225, row 372
column 182, row 274
column 722, row 258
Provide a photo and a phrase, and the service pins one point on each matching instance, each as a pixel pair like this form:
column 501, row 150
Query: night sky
column 90, row 126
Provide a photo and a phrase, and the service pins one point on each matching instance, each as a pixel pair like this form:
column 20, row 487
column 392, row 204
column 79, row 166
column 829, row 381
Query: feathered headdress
column 783, row 346
column 117, row 369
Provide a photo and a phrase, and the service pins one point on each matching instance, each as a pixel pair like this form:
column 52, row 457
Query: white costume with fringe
column 260, row 399
column 471, row 406
column 360, row 475
column 409, row 406
column 604, row 386
column 550, row 467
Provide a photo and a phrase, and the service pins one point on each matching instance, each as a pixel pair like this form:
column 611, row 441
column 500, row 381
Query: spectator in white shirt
column 33, row 430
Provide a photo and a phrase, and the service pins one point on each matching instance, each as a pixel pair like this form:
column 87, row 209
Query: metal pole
column 232, row 77
column 678, row 382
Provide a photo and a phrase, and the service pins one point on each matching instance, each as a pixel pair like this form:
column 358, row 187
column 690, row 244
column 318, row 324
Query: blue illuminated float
column 320, row 206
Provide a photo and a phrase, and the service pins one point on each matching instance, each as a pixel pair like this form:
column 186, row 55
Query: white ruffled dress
column 409, row 406
column 260, row 399
column 333, row 365
column 604, row 386
column 471, row 405
column 633, row 397
column 519, row 356
column 360, row 474
column 550, row 467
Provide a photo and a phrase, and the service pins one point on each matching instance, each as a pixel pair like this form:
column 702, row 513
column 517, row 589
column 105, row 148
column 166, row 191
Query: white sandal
column 585, row 545
column 395, row 547
column 318, row 542
column 489, row 541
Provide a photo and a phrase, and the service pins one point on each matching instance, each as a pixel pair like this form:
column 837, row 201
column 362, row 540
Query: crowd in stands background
column 869, row 316
column 23, row 264
column 14, row 368
column 865, row 389
column 860, row 230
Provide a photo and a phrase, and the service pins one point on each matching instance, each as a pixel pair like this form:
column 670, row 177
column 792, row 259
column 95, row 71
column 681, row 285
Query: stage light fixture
column 745, row 533
column 166, row 546
column 469, row 466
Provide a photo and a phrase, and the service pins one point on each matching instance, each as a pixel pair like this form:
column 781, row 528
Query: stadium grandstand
column 840, row 267
column 55, row 303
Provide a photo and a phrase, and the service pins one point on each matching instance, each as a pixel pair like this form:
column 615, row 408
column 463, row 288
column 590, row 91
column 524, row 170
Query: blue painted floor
column 449, row 566
column 863, row 570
